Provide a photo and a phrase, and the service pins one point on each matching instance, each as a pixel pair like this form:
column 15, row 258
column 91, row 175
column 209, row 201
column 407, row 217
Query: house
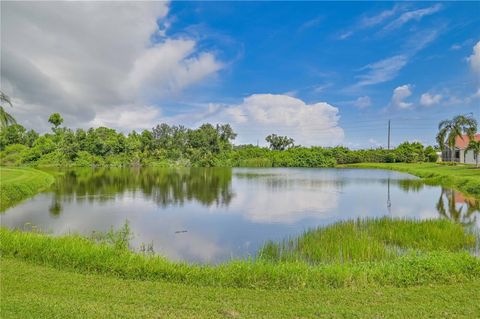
column 459, row 153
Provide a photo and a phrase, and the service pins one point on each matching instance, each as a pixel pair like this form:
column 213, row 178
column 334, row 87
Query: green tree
column 449, row 130
column 104, row 141
column 44, row 144
column 147, row 141
column 163, row 136
column 31, row 137
column 226, row 135
column 410, row 152
column 474, row 146
column 81, row 139
column 69, row 146
column 5, row 118
column 204, row 138
column 279, row 143
column 56, row 120
column 133, row 143
column 12, row 134
column 430, row 154
column 180, row 138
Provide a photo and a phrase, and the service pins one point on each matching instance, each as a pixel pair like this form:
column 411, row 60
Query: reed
column 370, row 240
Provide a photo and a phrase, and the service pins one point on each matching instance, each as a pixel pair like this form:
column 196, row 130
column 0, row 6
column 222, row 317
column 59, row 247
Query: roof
column 462, row 142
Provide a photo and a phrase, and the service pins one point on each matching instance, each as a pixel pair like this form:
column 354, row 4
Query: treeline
column 253, row 156
column 165, row 145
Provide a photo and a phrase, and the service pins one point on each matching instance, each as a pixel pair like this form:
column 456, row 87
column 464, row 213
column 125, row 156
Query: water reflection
column 229, row 213
column 165, row 187
column 455, row 206
column 56, row 207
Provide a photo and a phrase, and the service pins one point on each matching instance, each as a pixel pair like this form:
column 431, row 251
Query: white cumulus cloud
column 474, row 59
column 89, row 60
column 264, row 114
column 399, row 95
column 428, row 99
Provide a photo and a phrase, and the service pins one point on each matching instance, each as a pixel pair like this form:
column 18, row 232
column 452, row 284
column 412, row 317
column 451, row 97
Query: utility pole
column 388, row 135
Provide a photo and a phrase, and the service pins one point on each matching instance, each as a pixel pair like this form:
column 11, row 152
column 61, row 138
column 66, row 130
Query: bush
column 430, row 154
column 302, row 157
column 13, row 155
column 55, row 158
column 85, row 159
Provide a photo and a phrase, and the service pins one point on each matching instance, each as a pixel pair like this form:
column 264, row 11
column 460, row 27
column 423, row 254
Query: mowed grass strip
column 465, row 178
column 17, row 184
column 33, row 291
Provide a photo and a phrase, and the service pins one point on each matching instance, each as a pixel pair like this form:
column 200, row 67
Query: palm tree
column 474, row 146
column 5, row 118
column 449, row 130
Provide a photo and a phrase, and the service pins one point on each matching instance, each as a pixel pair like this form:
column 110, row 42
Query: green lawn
column 16, row 184
column 30, row 291
column 465, row 178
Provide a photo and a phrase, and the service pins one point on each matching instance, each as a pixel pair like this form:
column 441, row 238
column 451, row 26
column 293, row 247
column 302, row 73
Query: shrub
column 13, row 155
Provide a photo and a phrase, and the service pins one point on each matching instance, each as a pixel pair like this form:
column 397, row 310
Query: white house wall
column 469, row 157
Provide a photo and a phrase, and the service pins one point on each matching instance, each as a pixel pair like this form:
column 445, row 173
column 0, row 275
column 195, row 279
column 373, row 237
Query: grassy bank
column 449, row 263
column 16, row 184
column 32, row 291
column 465, row 178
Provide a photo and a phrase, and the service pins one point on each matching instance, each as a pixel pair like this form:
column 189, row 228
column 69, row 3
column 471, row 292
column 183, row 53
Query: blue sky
column 323, row 72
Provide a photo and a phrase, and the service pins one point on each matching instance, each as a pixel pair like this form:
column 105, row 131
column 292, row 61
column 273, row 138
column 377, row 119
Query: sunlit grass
column 35, row 291
column 370, row 240
column 17, row 184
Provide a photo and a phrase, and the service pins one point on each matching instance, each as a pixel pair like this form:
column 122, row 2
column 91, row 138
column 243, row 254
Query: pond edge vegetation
column 418, row 264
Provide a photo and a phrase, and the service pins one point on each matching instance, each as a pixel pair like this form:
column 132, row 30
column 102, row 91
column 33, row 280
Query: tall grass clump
column 118, row 239
column 370, row 240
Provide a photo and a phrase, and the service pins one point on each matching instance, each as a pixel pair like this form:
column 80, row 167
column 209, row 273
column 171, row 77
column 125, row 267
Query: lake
column 211, row 215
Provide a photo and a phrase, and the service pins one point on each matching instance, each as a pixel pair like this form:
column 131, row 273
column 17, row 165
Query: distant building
column 459, row 153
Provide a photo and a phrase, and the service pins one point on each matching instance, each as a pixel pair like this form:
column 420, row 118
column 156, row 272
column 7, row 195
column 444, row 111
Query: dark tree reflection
column 411, row 185
column 210, row 186
column 55, row 208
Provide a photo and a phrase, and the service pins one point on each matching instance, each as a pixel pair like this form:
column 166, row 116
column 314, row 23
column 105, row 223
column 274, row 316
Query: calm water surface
column 212, row 215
